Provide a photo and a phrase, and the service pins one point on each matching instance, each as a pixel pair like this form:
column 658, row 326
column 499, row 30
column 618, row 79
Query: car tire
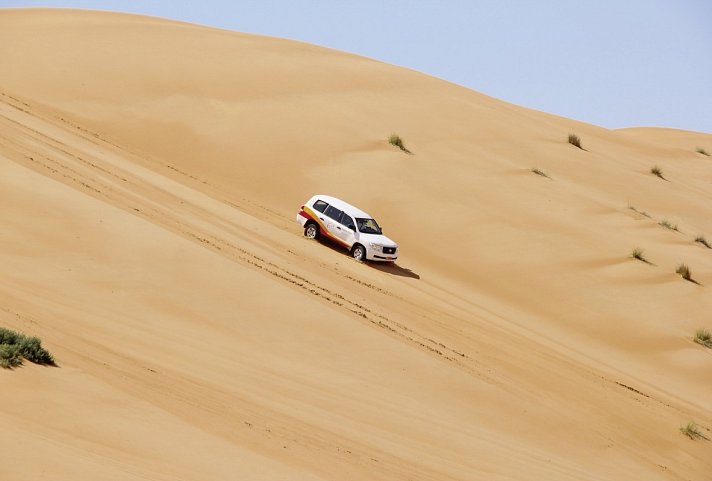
column 311, row 231
column 359, row 252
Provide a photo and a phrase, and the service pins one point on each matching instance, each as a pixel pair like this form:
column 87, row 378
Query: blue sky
column 616, row 64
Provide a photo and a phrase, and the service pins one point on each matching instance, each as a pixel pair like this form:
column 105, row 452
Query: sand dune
column 150, row 172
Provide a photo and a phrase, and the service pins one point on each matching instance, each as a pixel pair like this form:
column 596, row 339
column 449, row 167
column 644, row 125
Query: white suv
column 344, row 224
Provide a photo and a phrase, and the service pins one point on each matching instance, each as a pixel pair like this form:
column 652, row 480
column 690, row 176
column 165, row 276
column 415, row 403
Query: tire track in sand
column 85, row 164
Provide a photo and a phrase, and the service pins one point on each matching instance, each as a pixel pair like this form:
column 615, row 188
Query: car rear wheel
column 359, row 252
column 311, row 231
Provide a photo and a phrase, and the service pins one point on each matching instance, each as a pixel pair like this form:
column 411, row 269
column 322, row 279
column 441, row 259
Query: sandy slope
column 150, row 172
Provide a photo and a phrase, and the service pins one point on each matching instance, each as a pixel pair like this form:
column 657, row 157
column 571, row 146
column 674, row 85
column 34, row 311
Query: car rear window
column 320, row 205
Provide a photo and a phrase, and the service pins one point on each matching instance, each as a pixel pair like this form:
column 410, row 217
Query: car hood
column 378, row 239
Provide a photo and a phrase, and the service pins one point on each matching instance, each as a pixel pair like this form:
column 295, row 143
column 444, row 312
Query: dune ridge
column 151, row 171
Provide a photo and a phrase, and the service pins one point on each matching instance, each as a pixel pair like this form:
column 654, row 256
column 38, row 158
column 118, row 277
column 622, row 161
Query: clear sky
column 614, row 63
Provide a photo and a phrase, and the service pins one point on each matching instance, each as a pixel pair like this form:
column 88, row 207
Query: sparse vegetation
column 702, row 151
column 657, row 171
column 668, row 225
column 540, row 172
column 643, row 213
column 575, row 141
column 701, row 240
column 684, row 271
column 14, row 347
column 692, row 431
column 703, row 337
column 638, row 253
column 398, row 142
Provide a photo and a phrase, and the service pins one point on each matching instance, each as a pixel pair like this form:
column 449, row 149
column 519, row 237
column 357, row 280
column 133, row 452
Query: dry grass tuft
column 398, row 142
column 692, row 431
column 634, row 209
column 575, row 141
column 703, row 337
column 701, row 240
column 657, row 171
column 540, row 172
column 668, row 225
column 684, row 272
column 638, row 254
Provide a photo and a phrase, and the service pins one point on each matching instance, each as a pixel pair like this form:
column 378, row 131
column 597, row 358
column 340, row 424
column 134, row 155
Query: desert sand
column 150, row 174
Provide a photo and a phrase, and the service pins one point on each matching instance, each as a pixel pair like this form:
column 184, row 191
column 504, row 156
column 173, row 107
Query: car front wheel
column 359, row 252
column 311, row 231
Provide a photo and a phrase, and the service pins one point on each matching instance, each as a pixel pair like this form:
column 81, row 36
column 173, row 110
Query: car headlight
column 376, row 247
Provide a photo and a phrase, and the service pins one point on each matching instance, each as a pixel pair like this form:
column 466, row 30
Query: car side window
column 348, row 221
column 334, row 213
column 320, row 205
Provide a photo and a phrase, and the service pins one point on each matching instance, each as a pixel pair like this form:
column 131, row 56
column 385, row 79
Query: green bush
column 10, row 356
column 14, row 347
column 8, row 337
column 32, row 350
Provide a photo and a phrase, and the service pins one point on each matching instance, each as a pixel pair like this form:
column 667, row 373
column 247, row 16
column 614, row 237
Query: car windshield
column 368, row 226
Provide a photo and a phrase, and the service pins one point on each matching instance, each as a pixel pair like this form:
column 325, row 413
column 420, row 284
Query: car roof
column 345, row 206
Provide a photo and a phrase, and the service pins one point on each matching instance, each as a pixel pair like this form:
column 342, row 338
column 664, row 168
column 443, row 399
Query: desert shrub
column 702, row 151
column 655, row 170
column 540, row 172
column 398, row 142
column 703, row 337
column 14, row 347
column 575, row 141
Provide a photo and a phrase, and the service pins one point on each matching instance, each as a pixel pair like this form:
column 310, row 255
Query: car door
column 347, row 229
column 332, row 220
